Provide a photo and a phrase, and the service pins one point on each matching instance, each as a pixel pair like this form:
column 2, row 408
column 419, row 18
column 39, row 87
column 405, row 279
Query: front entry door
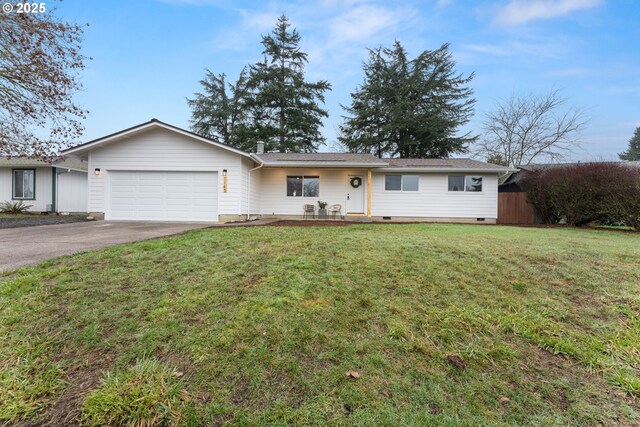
column 355, row 196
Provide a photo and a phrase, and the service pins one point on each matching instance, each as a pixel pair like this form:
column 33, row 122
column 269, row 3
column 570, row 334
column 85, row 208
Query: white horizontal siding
column 333, row 189
column 433, row 200
column 72, row 191
column 164, row 150
column 44, row 192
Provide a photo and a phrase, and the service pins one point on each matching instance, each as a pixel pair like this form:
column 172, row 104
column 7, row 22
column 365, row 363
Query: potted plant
column 322, row 211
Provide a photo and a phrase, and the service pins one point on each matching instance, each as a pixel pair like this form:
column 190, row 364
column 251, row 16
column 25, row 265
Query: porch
column 284, row 192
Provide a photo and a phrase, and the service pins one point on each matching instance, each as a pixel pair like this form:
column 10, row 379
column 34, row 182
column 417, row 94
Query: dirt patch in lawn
column 545, row 364
column 81, row 379
column 311, row 223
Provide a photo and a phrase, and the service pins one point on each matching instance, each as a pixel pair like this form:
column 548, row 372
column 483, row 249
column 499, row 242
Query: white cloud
column 573, row 72
column 518, row 12
column 261, row 21
column 196, row 2
column 443, row 3
column 536, row 49
column 363, row 22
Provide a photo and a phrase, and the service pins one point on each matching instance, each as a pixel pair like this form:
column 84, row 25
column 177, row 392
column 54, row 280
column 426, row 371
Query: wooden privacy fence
column 514, row 209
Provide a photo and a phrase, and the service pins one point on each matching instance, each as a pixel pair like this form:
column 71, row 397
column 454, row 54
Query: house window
column 303, row 186
column 465, row 183
column 473, row 183
column 24, row 184
column 401, row 182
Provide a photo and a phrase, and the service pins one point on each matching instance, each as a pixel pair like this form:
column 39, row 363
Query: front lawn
column 441, row 325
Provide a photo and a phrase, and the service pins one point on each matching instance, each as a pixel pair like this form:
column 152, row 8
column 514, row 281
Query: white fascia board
column 320, row 165
column 446, row 170
column 87, row 147
column 68, row 168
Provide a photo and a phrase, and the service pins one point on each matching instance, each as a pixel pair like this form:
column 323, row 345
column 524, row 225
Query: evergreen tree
column 633, row 152
column 286, row 111
column 221, row 112
column 409, row 107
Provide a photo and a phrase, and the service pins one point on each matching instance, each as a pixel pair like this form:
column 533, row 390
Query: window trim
column 401, row 190
column 13, row 183
column 464, row 186
column 303, row 177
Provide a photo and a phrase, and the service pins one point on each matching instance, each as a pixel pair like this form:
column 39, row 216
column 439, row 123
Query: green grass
column 264, row 323
column 147, row 391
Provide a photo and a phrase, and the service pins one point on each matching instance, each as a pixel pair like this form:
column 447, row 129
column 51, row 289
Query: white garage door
column 163, row 196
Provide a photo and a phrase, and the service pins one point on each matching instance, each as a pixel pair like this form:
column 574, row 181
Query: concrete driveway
column 31, row 245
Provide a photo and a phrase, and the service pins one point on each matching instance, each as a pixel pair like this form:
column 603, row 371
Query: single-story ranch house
column 156, row 171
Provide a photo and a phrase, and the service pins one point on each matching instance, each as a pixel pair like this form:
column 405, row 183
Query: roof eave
column 88, row 146
column 449, row 169
column 69, row 168
column 320, row 165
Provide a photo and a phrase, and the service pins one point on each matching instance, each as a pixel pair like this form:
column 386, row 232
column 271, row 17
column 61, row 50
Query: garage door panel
column 169, row 196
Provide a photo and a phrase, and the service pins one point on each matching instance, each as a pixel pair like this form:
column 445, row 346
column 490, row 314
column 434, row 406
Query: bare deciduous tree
column 39, row 63
column 525, row 128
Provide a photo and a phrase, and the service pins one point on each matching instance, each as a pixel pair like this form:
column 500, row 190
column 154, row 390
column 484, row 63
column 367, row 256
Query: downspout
column 249, row 191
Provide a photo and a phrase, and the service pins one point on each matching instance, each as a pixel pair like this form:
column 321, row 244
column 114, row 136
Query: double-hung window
column 401, row 182
column 24, row 184
column 303, row 186
column 467, row 183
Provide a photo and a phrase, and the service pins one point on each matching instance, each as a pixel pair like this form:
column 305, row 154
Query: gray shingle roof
column 75, row 164
column 347, row 158
column 444, row 163
column 22, row 162
column 26, row 162
column 369, row 160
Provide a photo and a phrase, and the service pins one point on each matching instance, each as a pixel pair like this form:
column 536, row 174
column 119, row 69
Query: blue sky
column 149, row 55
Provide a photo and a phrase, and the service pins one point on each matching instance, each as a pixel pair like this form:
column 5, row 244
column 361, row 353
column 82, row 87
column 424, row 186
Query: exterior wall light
column 224, row 172
column 96, row 171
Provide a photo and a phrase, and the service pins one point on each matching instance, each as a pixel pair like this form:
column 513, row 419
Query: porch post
column 369, row 193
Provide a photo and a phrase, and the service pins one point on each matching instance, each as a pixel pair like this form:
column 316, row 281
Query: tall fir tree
column 633, row 152
column 222, row 111
column 409, row 107
column 286, row 110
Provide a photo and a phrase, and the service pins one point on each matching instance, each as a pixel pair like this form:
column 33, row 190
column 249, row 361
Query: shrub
column 624, row 203
column 585, row 192
column 145, row 394
column 14, row 207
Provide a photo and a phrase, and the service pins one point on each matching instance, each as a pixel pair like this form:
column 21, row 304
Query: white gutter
column 68, row 168
column 446, row 170
column 329, row 164
column 249, row 191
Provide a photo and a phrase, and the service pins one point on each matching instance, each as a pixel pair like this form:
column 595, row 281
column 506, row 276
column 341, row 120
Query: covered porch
column 285, row 191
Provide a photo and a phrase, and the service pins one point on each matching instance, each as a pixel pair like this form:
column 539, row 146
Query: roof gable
column 153, row 123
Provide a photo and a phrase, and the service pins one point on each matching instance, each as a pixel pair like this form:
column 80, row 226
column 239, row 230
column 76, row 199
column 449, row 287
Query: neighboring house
column 60, row 186
column 155, row 171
